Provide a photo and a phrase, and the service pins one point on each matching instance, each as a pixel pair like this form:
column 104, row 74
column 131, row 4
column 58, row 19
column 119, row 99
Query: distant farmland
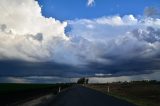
column 142, row 93
column 13, row 93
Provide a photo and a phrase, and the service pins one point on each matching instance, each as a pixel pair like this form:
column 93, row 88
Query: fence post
column 108, row 89
column 59, row 90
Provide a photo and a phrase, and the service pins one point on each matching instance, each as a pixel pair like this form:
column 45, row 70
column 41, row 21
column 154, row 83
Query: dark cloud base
column 120, row 68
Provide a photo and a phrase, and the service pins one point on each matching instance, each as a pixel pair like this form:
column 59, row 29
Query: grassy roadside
column 136, row 101
column 139, row 93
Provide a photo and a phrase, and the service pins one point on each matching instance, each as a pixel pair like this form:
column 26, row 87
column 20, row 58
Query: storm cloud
column 111, row 46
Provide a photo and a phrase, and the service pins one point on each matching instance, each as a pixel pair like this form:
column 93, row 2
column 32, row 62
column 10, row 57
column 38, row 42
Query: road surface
column 82, row 96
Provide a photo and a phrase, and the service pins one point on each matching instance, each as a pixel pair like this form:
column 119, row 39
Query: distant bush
column 82, row 81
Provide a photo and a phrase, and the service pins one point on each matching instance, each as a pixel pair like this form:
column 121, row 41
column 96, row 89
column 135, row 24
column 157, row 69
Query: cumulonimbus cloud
column 108, row 45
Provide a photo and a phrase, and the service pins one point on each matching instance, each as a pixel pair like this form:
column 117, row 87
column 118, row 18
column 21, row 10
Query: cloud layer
column 108, row 46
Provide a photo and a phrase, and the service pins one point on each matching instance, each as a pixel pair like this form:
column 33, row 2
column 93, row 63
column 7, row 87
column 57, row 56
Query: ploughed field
column 11, row 94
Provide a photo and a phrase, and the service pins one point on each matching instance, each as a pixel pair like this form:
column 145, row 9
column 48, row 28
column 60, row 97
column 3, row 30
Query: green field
column 141, row 93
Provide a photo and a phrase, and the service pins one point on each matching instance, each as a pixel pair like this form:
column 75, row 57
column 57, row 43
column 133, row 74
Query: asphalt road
column 82, row 96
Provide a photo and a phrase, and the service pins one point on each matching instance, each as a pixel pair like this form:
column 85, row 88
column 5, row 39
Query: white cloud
column 26, row 34
column 90, row 2
column 102, row 75
column 117, row 20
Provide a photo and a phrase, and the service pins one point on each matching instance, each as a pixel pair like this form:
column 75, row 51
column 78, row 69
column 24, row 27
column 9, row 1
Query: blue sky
column 45, row 41
column 72, row 9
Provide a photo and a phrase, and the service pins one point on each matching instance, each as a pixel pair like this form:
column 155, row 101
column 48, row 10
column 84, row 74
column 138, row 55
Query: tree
column 82, row 81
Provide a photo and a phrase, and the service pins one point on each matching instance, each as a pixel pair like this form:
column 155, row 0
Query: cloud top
column 26, row 34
